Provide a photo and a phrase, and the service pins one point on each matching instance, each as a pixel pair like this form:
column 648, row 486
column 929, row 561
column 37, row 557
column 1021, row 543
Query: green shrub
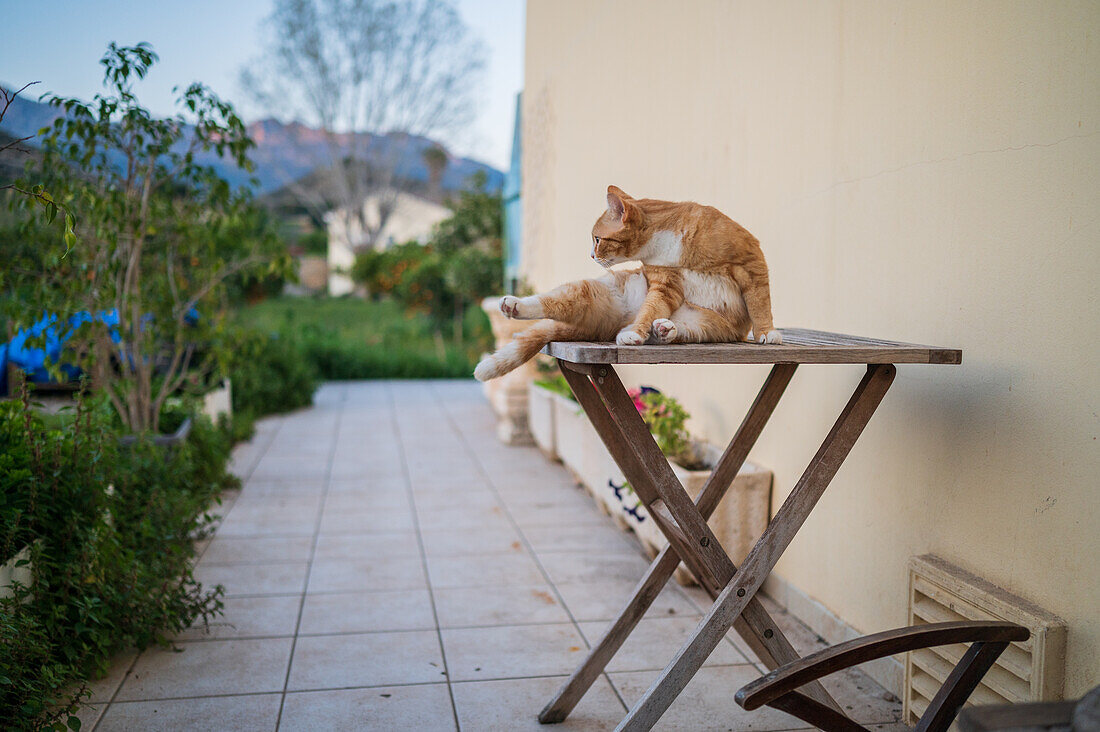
column 348, row 338
column 271, row 374
column 111, row 533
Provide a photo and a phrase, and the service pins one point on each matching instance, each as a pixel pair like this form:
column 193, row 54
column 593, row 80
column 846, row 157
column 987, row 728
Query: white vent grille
column 1027, row 671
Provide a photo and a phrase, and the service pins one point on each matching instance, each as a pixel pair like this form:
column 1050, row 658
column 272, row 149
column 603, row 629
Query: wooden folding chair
column 588, row 367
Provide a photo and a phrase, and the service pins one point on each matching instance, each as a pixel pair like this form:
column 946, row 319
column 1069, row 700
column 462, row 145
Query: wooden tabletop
column 799, row 346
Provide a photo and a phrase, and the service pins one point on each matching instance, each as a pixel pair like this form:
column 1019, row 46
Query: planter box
column 540, row 419
column 9, row 573
column 218, row 401
column 738, row 521
column 571, row 432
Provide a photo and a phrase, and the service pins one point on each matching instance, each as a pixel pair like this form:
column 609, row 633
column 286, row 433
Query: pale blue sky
column 59, row 43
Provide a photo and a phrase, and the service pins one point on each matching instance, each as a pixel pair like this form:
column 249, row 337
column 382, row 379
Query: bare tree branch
column 359, row 69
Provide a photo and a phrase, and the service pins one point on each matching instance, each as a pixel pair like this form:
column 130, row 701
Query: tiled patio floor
column 389, row 565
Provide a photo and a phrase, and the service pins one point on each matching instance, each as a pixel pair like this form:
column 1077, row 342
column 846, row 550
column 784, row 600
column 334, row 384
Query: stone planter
column 218, row 401
column 171, row 440
column 540, row 419
column 508, row 394
column 10, row 573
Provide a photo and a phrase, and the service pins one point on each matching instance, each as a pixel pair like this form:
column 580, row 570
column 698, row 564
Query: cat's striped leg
column 756, row 290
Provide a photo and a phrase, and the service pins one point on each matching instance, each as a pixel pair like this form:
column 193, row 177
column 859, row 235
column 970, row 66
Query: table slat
column 799, row 346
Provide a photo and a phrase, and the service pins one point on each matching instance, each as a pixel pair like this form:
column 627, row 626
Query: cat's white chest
column 634, row 292
column 716, row 292
column 663, row 249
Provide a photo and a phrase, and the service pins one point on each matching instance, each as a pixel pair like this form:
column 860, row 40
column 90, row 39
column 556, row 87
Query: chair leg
column 748, row 579
column 817, row 714
column 960, row 684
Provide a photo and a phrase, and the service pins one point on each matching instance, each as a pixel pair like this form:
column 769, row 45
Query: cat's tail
column 523, row 348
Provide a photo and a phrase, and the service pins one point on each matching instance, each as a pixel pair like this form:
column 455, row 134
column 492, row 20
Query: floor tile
column 592, row 567
column 367, row 499
column 250, row 617
column 513, row 651
column 514, row 704
column 364, row 612
column 471, row 540
column 201, row 668
column 653, row 643
column 255, row 524
column 574, row 538
column 605, row 600
column 462, row 517
column 503, row 605
column 379, row 546
column 254, row 579
column 707, row 702
column 366, row 574
column 367, row 659
column 381, row 709
column 238, row 713
column 484, row 570
column 367, row 521
column 263, row 550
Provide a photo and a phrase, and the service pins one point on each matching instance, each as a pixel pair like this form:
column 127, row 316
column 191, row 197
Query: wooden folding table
column 589, row 369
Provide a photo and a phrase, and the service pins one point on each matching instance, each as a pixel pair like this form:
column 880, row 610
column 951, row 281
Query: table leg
column 736, row 596
column 662, row 568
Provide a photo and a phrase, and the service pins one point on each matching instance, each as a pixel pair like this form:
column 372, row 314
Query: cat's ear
column 617, row 203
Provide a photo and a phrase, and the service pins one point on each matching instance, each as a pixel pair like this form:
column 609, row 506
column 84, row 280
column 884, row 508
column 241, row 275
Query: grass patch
column 348, row 338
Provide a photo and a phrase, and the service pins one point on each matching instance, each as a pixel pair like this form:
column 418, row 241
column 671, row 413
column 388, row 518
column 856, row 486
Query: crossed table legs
column 683, row 522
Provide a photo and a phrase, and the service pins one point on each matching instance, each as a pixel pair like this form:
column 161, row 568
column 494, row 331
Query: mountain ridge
column 288, row 151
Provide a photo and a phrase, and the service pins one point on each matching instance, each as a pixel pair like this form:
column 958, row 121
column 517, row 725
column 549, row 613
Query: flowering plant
column 666, row 420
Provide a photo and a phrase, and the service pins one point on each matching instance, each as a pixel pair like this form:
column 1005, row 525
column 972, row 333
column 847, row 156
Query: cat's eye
column 597, row 239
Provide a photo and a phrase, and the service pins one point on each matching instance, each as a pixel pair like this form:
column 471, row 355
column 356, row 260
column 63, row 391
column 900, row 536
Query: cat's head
column 618, row 233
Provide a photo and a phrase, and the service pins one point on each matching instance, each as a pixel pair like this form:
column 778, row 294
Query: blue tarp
column 48, row 337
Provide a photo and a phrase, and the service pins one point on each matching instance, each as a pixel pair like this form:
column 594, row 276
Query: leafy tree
column 160, row 235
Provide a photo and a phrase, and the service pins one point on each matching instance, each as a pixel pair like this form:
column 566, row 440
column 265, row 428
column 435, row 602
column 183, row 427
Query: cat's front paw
column 664, row 330
column 772, row 337
column 509, row 305
column 629, row 337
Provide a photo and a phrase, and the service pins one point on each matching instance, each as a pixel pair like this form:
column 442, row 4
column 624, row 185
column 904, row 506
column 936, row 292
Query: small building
column 412, row 219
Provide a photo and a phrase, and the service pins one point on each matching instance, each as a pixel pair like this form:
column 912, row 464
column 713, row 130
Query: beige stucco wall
column 927, row 172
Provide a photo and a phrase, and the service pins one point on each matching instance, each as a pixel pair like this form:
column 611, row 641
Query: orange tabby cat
column 689, row 289
column 711, row 251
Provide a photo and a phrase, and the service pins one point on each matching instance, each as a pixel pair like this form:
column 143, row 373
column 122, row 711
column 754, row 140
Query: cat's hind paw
column 629, row 337
column 509, row 305
column 664, row 330
column 772, row 337
column 521, row 308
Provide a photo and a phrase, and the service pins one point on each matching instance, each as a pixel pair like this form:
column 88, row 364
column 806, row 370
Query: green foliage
column 270, row 374
column 159, row 235
column 461, row 263
column 111, row 533
column 348, row 338
column 314, row 241
column 667, row 420
column 557, row 384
